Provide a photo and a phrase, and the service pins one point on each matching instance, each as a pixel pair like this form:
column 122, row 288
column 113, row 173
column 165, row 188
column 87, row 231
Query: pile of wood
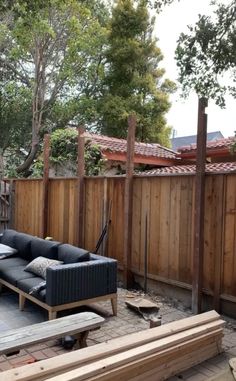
column 153, row 354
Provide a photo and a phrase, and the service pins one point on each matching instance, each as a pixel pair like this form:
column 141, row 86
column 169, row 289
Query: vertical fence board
column 209, row 228
column 213, row 232
column 145, row 218
column 163, row 258
column 57, row 196
column 185, row 229
column 60, row 212
column 136, row 232
column 219, row 188
column 229, row 261
column 94, row 194
column 89, row 214
column 28, row 210
column 154, row 226
column 116, row 231
column 174, row 227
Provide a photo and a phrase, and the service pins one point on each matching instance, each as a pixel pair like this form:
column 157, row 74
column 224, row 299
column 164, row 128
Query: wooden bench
column 77, row 325
column 153, row 354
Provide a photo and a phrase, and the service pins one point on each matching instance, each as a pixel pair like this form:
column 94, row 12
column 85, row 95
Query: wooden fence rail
column 168, row 203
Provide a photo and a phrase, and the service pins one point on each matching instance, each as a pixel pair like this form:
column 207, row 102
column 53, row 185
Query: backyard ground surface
column 127, row 321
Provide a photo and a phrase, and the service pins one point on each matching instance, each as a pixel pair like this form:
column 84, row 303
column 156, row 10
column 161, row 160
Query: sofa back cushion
column 71, row 254
column 23, row 245
column 8, row 237
column 43, row 248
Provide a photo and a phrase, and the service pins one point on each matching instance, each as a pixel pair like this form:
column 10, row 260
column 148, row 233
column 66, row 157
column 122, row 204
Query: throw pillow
column 71, row 254
column 40, row 264
column 6, row 251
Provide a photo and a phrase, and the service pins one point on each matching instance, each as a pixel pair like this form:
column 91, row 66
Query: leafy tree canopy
column 15, row 121
column 206, row 56
column 159, row 4
column 53, row 48
column 133, row 79
column 15, row 116
column 64, row 144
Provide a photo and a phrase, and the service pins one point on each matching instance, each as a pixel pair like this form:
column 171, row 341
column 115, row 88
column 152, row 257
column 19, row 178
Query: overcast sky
column 183, row 114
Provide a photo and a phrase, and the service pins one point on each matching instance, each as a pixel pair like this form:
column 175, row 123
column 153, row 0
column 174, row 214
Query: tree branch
column 13, row 69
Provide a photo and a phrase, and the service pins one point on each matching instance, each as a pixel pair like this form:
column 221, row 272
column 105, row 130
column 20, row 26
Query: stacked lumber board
column 150, row 355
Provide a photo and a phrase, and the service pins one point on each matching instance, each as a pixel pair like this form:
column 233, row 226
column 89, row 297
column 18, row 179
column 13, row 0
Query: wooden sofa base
column 52, row 310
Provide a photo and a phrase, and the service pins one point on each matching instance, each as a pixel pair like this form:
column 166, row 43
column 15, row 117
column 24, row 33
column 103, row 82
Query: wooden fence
column 165, row 203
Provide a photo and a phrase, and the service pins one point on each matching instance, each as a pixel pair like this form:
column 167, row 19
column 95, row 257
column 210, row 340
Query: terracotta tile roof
column 184, row 169
column 142, row 149
column 219, row 143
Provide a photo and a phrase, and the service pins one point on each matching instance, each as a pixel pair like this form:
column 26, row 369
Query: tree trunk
column 29, row 160
column 36, row 124
column 37, row 106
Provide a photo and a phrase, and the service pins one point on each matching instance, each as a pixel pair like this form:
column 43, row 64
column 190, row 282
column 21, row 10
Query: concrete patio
column 125, row 322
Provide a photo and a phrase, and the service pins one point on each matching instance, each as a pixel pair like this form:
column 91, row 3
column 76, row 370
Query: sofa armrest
column 78, row 281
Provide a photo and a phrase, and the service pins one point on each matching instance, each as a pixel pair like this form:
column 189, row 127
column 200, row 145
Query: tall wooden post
column 46, row 153
column 128, row 202
column 198, row 253
column 12, row 204
column 80, row 174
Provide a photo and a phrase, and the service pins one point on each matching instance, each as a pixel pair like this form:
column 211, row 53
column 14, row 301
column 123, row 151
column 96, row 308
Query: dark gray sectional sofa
column 81, row 278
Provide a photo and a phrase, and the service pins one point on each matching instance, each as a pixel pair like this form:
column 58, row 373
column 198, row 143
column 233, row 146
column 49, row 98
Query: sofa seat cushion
column 39, row 266
column 27, row 284
column 13, row 274
column 7, row 263
column 41, row 247
column 71, row 254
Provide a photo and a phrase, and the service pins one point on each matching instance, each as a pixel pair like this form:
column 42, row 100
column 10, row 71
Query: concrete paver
column 125, row 322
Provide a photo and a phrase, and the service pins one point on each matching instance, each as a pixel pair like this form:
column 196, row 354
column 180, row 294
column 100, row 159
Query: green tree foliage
column 133, row 81
column 64, row 143
column 159, row 4
column 207, row 55
column 53, row 48
column 15, row 120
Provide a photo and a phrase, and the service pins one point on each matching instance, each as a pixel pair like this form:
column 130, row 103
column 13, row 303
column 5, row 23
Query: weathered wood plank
column 22, row 337
column 172, row 366
column 127, row 361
